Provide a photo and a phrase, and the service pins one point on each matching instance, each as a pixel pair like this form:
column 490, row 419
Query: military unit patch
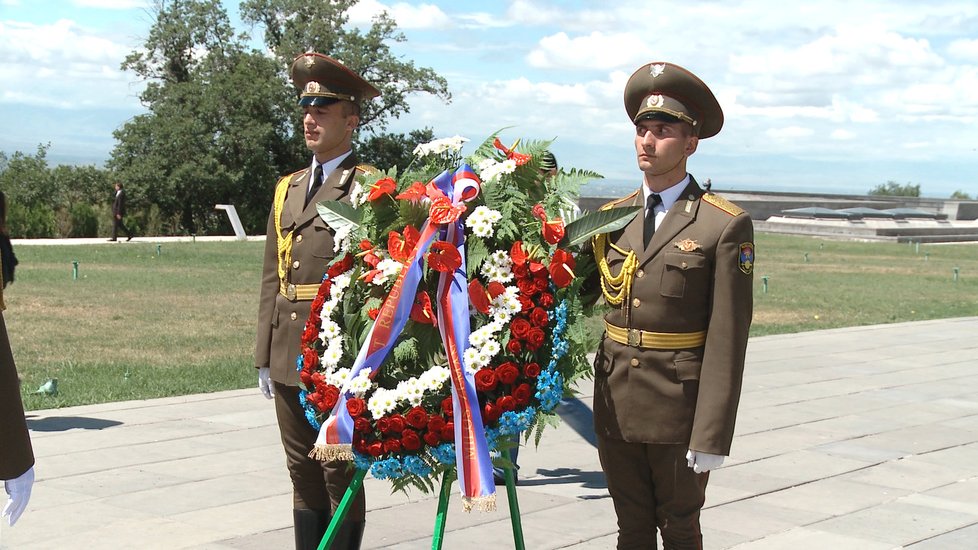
column 746, row 260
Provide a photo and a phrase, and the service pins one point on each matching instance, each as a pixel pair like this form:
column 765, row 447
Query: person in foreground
column 16, row 454
column 678, row 277
column 298, row 249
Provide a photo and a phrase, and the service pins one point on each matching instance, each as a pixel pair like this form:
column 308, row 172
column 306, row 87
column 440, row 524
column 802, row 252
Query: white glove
column 19, row 491
column 265, row 383
column 702, row 462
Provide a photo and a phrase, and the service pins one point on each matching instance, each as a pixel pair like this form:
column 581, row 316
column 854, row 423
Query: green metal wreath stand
column 440, row 518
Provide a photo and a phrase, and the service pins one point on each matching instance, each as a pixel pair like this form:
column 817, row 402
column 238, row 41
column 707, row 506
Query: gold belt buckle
column 290, row 292
column 634, row 337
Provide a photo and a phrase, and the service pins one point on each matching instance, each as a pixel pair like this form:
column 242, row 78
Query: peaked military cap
column 322, row 80
column 661, row 88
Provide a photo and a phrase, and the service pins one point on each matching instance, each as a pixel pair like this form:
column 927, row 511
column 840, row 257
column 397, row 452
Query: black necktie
column 317, row 182
column 653, row 201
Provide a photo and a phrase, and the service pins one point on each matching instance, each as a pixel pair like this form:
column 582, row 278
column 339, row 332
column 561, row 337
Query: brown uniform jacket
column 281, row 320
column 686, row 396
column 16, row 455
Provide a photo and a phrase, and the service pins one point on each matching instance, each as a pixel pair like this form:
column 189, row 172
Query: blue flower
column 387, row 469
column 362, row 462
column 416, row 466
column 444, row 453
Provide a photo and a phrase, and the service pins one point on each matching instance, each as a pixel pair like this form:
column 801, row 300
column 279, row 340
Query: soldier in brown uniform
column 16, row 454
column 298, row 248
column 679, row 278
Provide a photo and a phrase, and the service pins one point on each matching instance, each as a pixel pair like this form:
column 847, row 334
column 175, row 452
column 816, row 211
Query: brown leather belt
column 297, row 293
column 655, row 340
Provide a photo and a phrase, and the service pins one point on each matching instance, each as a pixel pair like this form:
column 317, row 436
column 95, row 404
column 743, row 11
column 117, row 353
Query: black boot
column 310, row 526
column 349, row 535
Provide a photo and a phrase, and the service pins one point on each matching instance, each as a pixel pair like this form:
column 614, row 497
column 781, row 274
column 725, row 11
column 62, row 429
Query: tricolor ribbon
column 471, row 449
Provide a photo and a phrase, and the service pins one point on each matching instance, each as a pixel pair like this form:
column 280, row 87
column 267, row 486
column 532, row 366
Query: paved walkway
column 863, row 438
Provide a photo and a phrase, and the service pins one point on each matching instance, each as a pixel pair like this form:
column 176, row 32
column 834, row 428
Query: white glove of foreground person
column 265, row 383
column 19, row 493
column 703, row 462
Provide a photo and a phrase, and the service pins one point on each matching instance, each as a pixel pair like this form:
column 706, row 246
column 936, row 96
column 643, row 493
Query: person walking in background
column 8, row 260
column 668, row 371
column 118, row 213
column 298, row 249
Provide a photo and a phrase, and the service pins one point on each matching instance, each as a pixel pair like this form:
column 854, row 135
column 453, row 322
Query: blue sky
column 834, row 96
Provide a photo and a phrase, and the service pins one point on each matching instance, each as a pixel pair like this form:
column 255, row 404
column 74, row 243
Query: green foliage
column 84, row 220
column 292, row 27
column 894, row 189
column 30, row 222
column 960, row 195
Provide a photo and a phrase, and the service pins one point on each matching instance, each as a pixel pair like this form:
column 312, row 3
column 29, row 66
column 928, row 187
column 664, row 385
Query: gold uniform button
column 634, row 362
column 293, row 316
column 298, row 238
column 295, row 264
column 640, row 273
column 636, row 302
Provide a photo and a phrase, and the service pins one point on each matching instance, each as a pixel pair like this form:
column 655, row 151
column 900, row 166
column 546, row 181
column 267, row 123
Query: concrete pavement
column 860, row 438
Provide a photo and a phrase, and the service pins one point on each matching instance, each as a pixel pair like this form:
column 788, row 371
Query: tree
column 960, row 195
column 894, row 189
column 217, row 129
column 293, row 27
column 388, row 150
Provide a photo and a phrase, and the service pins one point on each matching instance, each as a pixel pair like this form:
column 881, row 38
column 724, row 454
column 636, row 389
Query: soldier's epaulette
column 367, row 169
column 723, row 204
column 616, row 202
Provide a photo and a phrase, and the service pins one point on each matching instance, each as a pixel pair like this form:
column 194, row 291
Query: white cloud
column 964, row 49
column 407, row 16
column 789, row 132
column 111, row 4
column 842, row 135
column 61, row 64
column 594, row 51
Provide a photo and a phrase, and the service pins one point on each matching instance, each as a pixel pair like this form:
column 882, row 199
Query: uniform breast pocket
column 678, row 271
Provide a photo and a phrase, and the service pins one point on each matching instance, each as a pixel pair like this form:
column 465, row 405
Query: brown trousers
column 652, row 486
column 315, row 485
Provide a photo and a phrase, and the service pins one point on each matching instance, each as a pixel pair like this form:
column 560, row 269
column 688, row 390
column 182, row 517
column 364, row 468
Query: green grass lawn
column 137, row 325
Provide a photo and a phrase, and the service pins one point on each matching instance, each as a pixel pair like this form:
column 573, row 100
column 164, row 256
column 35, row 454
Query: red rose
column 410, row 440
column 360, row 446
column 506, row 403
column 539, row 317
column 490, row 413
column 485, row 380
column 306, row 378
column 356, row 406
column 318, row 380
column 436, row 423
column 513, row 346
column 531, row 370
column 522, row 394
column 373, row 313
column 392, row 445
column 540, row 283
column 432, row 438
column 447, row 406
column 310, row 333
column 546, row 300
column 310, row 359
column 317, row 304
column 520, row 327
column 495, row 289
column 448, row 432
column 376, row 448
column 417, row 417
column 535, row 339
column 507, row 372
column 526, row 287
column 384, row 425
column 396, row 423
column 526, row 303
column 521, row 270
column 362, row 425
column 331, row 395
column 338, row 268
